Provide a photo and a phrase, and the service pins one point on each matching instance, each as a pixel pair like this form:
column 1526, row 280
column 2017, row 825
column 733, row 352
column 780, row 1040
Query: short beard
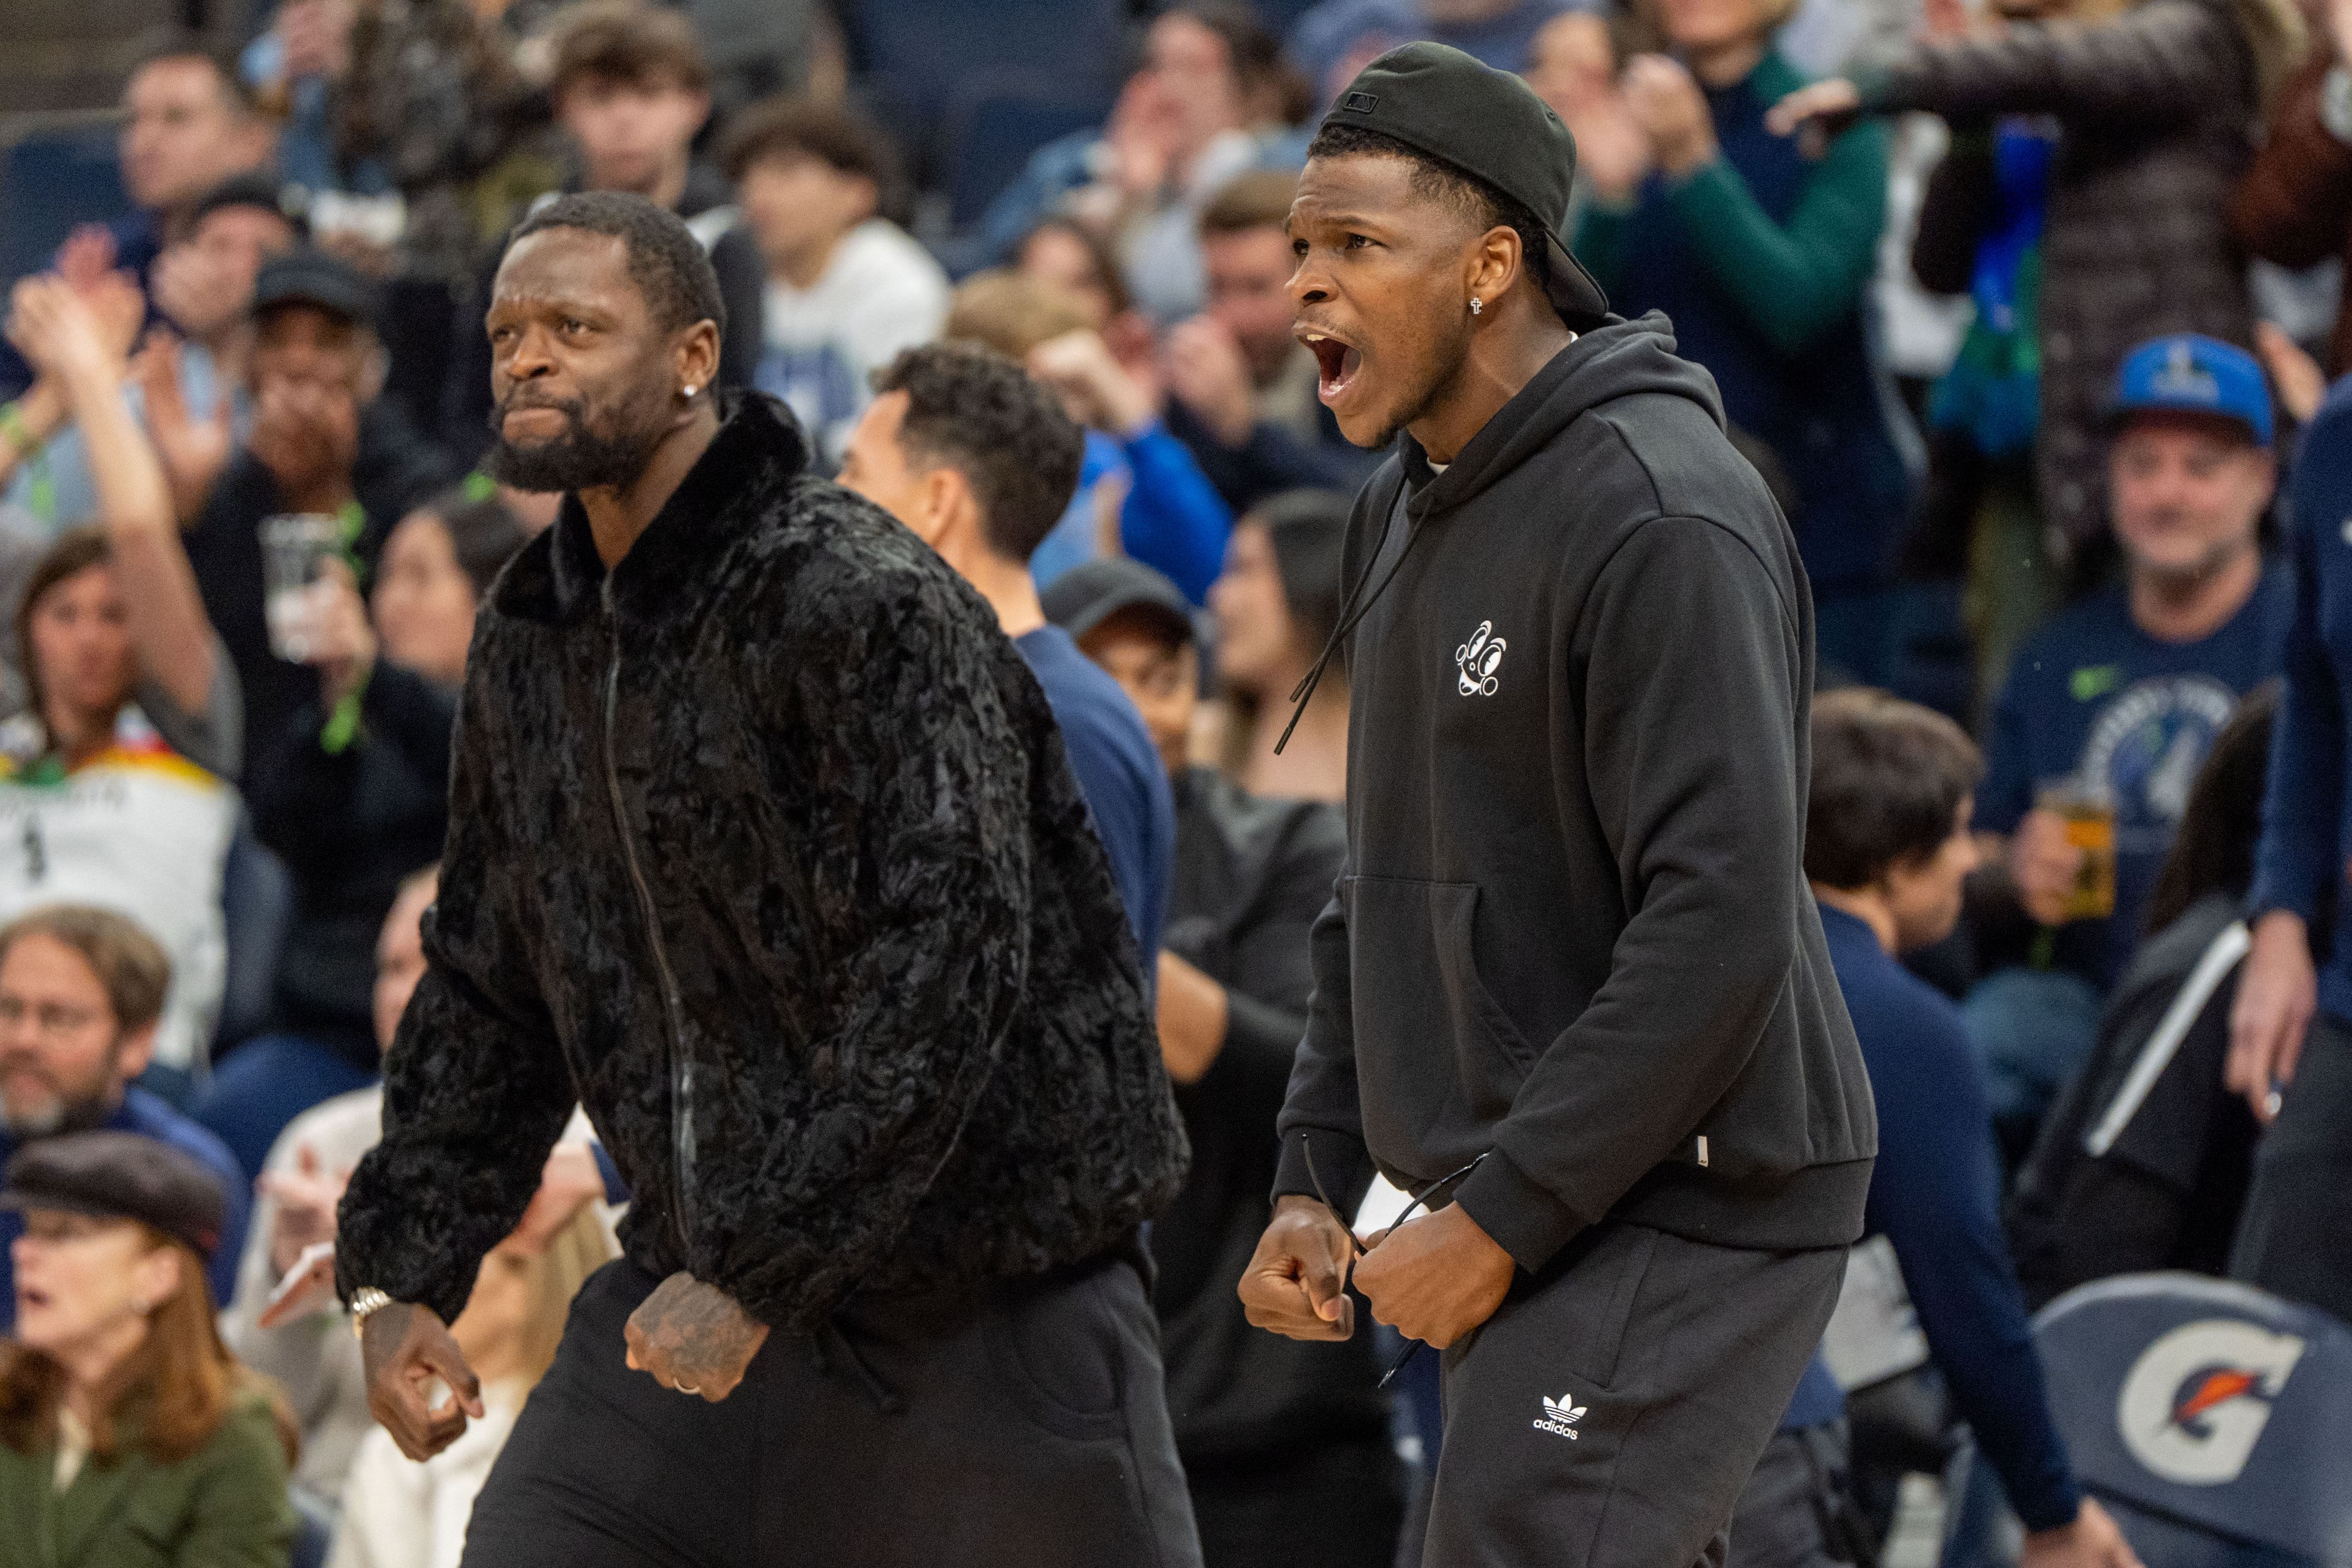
column 579, row 459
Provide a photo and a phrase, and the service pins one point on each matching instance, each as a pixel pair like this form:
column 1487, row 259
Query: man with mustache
column 81, row 990
column 763, row 848
column 1573, row 991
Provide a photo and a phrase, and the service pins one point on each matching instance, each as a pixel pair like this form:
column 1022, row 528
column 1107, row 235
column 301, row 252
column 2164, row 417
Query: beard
column 53, row 1108
column 583, row 458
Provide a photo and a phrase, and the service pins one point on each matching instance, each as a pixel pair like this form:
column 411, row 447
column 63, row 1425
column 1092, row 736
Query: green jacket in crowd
column 224, row 1506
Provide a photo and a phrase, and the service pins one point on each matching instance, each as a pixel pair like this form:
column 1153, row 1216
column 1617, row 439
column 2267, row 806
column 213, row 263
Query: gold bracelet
column 365, row 1300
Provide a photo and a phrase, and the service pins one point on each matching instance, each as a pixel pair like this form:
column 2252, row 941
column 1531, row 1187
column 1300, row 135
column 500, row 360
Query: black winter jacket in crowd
column 1252, row 873
column 763, row 846
column 352, row 824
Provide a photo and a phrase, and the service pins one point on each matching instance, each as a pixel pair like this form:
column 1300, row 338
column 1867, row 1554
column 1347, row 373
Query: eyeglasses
column 53, row 1020
column 1307, row 1145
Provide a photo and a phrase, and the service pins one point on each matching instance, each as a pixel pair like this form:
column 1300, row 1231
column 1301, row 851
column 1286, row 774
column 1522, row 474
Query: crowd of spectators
column 2065, row 559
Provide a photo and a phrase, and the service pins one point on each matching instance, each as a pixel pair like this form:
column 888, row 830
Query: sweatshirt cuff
column 2059, row 1504
column 1522, row 1217
column 1340, row 1159
column 2297, row 896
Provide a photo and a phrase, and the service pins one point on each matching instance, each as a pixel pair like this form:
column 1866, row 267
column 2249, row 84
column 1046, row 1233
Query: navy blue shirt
column 2307, row 812
column 144, row 1112
column 2091, row 696
column 1935, row 1196
column 1118, row 771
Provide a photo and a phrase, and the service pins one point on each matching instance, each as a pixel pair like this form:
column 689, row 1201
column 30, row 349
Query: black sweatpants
column 1021, row 1425
column 1614, row 1406
column 2291, row 1236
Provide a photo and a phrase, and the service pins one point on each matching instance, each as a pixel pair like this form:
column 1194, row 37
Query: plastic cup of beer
column 294, row 550
column 2088, row 810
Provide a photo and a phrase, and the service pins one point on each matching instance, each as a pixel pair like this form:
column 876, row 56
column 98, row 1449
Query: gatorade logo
column 2197, row 1399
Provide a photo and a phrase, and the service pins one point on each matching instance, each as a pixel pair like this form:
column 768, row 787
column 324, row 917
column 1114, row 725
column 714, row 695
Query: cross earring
column 1476, row 305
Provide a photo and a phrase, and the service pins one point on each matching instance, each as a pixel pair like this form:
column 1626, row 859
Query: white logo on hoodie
column 1477, row 660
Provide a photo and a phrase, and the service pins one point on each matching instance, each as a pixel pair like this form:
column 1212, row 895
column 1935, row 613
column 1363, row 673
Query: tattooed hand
column 694, row 1338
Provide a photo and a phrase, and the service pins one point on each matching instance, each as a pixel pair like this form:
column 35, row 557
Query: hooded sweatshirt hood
column 1574, row 941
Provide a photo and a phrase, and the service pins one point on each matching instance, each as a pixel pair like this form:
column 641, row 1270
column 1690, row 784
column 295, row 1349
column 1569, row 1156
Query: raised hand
column 1665, row 103
column 193, row 451
column 305, row 1197
column 1828, row 102
column 694, row 1338
column 1207, row 374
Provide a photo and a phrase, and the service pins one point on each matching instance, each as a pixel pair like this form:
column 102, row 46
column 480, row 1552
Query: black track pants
column 1024, row 1425
column 1610, row 1411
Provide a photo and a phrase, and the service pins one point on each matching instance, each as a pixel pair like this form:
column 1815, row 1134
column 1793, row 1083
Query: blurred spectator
column 2165, row 1175
column 847, row 289
column 2154, row 108
column 1887, row 846
column 1240, row 389
column 1980, row 238
column 2291, row 1030
column 81, row 992
column 314, row 1357
column 761, row 48
column 187, row 126
column 1286, row 1442
column 127, row 1433
column 1212, row 99
column 974, row 457
column 1761, row 253
column 1276, row 606
column 398, row 1514
column 204, row 286
column 353, row 799
column 2294, row 205
column 322, row 442
column 2110, row 710
column 632, row 88
column 41, row 458
column 1139, row 491
column 117, row 773
column 1339, row 38
column 1067, row 254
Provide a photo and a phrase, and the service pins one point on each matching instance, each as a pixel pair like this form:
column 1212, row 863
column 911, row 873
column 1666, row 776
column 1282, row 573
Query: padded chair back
column 2214, row 1418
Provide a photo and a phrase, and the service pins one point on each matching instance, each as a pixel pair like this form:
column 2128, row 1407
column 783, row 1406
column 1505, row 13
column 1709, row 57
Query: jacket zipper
column 681, row 1070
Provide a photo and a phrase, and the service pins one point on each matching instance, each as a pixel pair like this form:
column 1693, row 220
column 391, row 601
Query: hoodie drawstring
column 1349, row 614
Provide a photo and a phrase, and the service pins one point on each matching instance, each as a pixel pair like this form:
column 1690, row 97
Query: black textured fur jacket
column 850, row 997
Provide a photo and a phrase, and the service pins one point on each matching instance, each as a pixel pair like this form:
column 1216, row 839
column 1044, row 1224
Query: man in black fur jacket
column 763, row 848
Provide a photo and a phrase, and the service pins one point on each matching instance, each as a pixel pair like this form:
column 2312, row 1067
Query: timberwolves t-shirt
column 2093, row 698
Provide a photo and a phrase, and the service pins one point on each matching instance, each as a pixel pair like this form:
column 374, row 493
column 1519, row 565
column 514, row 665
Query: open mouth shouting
column 1337, row 363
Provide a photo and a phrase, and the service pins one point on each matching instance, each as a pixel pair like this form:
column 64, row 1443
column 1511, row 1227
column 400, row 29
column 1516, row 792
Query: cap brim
column 1101, row 610
column 1570, row 288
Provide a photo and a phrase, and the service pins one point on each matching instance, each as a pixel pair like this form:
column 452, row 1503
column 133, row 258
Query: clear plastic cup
column 294, row 550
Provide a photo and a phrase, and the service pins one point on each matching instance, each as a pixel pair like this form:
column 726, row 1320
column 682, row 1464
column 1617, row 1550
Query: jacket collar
column 757, row 450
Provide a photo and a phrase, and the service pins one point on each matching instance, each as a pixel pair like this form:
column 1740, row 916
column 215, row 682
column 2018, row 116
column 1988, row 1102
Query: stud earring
column 691, row 391
column 1476, row 304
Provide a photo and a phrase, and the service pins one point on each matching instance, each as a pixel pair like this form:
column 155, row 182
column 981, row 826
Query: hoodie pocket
column 1437, row 1058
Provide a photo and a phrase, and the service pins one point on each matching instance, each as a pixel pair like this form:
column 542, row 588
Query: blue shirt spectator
column 2095, row 697
column 1117, row 771
column 2307, row 813
column 1171, row 517
column 150, row 1116
column 1935, row 1196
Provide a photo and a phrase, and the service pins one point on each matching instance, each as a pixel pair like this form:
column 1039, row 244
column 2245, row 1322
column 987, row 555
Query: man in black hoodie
column 1572, row 987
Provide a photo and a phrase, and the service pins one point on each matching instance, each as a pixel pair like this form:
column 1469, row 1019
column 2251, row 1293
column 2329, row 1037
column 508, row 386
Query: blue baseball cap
column 2188, row 373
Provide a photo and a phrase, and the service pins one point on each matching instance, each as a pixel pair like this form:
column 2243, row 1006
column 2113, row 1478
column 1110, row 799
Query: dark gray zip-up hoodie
column 1574, row 934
